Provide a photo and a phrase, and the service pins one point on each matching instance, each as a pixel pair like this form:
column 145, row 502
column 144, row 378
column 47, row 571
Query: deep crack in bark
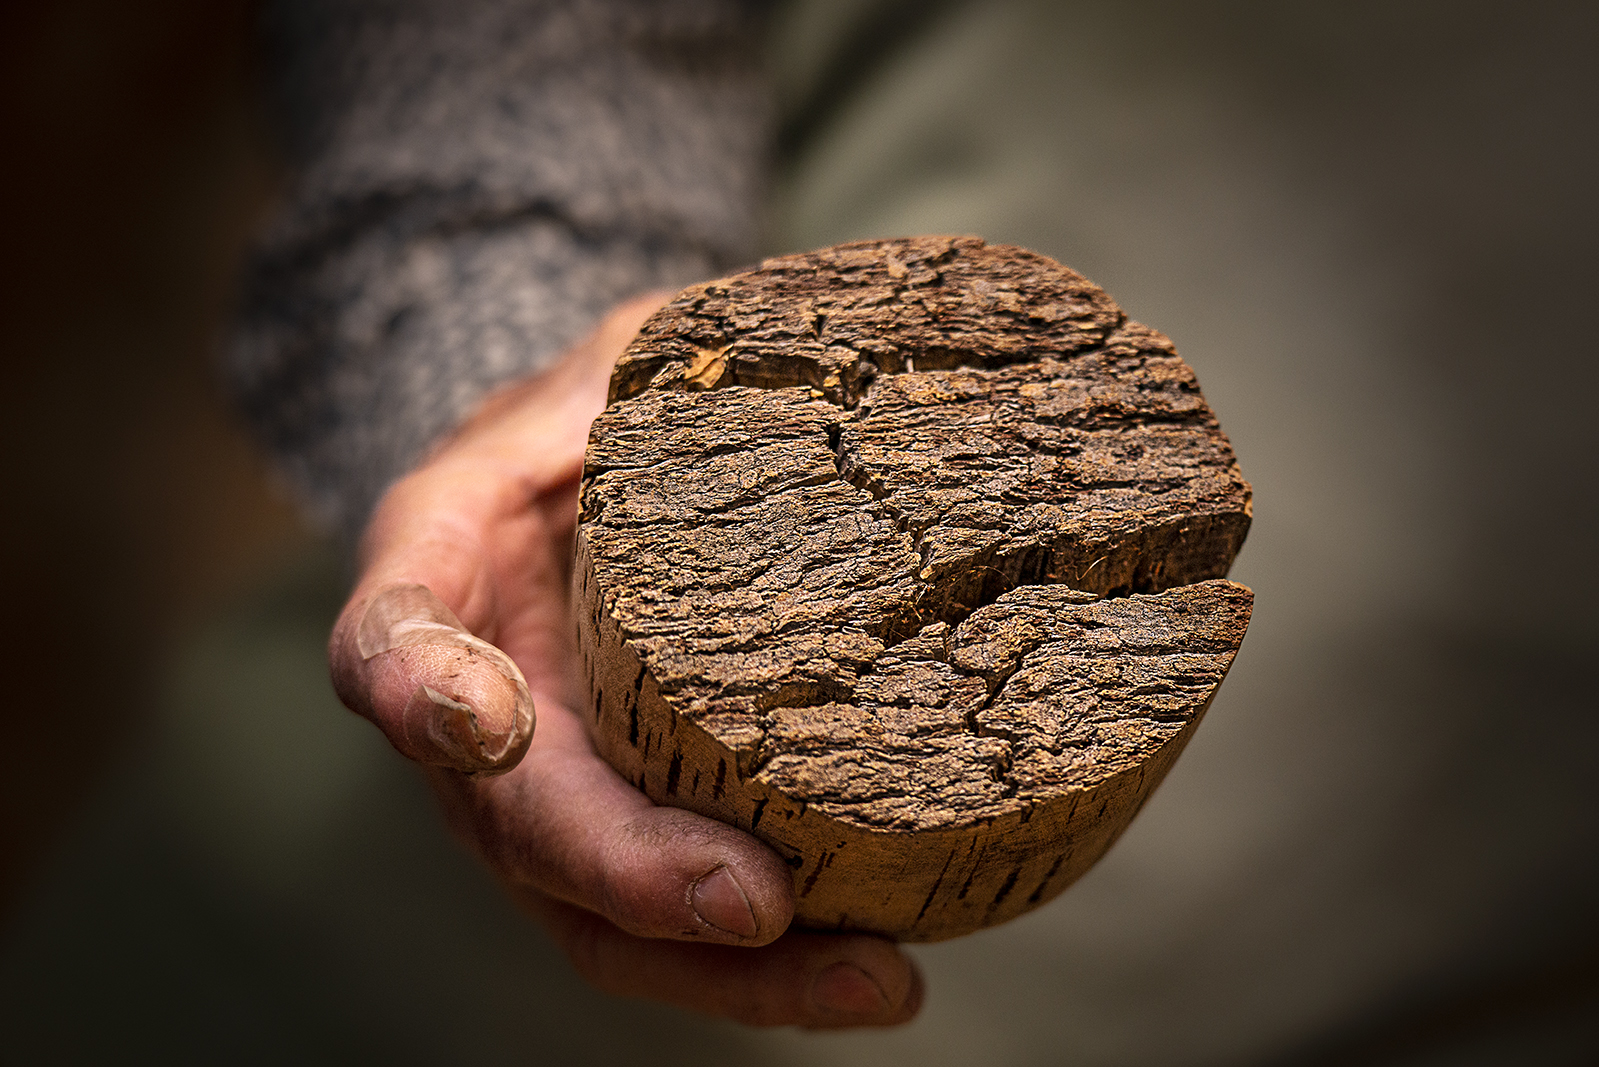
column 896, row 543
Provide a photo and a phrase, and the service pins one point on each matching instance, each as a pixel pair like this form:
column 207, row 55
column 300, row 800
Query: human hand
column 460, row 626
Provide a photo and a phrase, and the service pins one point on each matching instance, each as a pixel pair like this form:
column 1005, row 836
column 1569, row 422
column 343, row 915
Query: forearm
column 475, row 184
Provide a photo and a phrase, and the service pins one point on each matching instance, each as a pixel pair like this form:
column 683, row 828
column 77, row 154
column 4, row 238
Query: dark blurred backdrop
column 135, row 167
column 1369, row 226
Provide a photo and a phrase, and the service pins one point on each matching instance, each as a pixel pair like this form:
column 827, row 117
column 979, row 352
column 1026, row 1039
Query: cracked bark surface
column 908, row 558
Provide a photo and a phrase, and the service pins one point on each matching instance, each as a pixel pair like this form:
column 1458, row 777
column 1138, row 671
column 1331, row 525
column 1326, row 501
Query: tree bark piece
column 907, row 557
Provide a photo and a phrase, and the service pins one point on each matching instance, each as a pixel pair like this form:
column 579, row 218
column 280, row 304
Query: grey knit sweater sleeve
column 476, row 182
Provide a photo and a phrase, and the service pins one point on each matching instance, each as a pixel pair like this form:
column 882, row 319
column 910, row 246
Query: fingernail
column 480, row 727
column 845, row 989
column 720, row 902
column 450, row 724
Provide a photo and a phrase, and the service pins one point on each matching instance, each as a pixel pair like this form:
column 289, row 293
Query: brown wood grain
column 907, row 557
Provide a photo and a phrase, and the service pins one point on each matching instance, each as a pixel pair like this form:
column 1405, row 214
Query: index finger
column 470, row 549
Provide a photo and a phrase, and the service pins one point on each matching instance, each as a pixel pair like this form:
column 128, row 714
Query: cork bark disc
column 907, row 557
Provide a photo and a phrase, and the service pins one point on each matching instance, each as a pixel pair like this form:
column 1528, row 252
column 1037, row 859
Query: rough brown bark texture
column 906, row 557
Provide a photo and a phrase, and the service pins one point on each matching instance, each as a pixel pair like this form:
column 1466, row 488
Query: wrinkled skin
column 647, row 901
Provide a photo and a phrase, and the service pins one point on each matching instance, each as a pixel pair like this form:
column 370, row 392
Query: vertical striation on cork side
column 907, row 557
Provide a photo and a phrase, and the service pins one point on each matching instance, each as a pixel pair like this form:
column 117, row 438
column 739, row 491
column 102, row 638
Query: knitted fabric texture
column 476, row 183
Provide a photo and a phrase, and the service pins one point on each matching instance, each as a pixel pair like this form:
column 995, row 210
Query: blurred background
column 1369, row 227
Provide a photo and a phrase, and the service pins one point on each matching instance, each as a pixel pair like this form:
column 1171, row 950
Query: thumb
column 442, row 696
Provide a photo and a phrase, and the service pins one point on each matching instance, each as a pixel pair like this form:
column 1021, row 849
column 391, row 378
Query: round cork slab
column 907, row 557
